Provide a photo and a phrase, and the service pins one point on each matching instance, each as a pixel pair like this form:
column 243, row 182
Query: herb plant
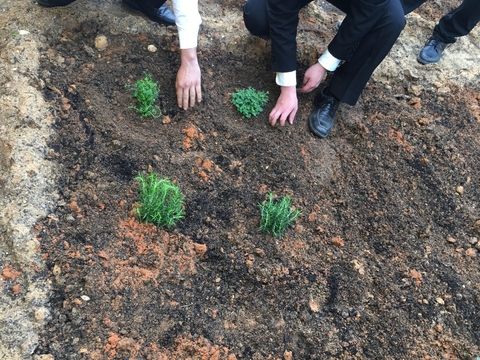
column 277, row 215
column 249, row 101
column 146, row 92
column 161, row 202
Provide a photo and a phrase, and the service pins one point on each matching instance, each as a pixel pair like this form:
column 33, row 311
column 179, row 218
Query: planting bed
column 368, row 271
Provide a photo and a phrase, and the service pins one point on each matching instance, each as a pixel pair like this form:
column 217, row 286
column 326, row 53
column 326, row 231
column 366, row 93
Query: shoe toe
column 429, row 54
column 165, row 15
column 320, row 124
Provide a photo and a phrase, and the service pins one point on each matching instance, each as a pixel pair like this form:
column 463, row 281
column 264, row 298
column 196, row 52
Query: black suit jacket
column 362, row 15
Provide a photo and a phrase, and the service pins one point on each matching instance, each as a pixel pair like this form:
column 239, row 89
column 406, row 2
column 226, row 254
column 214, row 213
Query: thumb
column 306, row 79
column 307, row 86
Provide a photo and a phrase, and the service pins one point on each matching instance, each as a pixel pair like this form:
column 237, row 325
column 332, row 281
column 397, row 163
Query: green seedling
column 146, row 92
column 161, row 202
column 249, row 101
column 277, row 215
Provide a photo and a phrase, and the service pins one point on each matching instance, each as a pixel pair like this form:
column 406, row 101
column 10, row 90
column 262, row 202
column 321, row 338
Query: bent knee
column 255, row 19
column 396, row 23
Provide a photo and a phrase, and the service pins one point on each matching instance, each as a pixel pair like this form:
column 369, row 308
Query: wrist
column 188, row 56
column 288, row 89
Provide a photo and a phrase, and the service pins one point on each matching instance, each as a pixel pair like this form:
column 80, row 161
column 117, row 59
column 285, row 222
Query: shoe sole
column 425, row 62
column 47, row 4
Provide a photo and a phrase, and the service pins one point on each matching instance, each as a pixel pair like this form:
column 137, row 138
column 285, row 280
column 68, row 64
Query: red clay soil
column 367, row 272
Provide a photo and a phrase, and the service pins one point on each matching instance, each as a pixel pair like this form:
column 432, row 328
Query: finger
column 283, row 118
column 306, row 78
column 179, row 97
column 309, row 86
column 198, row 89
column 291, row 117
column 185, row 99
column 192, row 96
column 273, row 117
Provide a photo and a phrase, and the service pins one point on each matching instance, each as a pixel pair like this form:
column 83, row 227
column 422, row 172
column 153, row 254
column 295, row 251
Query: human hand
column 188, row 82
column 286, row 106
column 313, row 77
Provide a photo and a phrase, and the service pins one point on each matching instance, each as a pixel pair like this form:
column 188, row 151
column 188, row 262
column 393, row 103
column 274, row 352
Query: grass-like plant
column 161, row 202
column 249, row 101
column 277, row 215
column 146, row 92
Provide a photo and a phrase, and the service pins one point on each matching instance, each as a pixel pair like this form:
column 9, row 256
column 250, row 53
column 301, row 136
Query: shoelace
column 437, row 44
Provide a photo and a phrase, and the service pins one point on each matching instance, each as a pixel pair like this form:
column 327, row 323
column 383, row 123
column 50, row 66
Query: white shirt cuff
column 328, row 61
column 187, row 38
column 286, row 78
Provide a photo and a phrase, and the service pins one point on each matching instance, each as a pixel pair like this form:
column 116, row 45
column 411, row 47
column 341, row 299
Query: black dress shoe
column 52, row 3
column 432, row 52
column 162, row 15
column 322, row 118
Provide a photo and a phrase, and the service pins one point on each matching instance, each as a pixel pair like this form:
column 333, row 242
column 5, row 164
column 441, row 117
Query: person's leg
column 255, row 18
column 255, row 15
column 349, row 79
column 52, row 3
column 155, row 10
column 410, row 5
column 458, row 22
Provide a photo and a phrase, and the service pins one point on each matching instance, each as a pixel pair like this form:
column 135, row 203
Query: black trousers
column 350, row 78
column 456, row 23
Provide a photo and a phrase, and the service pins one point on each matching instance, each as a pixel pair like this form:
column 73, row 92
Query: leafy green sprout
column 277, row 215
column 249, row 101
column 160, row 201
column 146, row 92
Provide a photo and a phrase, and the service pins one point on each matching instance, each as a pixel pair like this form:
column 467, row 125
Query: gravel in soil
column 367, row 272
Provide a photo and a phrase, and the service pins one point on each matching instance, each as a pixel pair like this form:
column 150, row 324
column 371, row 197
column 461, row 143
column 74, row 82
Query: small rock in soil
column 43, row 357
column 200, row 249
column 125, row 344
column 471, row 252
column 338, row 242
column 101, row 42
column 476, row 226
column 259, row 252
column 57, row 270
column 459, row 190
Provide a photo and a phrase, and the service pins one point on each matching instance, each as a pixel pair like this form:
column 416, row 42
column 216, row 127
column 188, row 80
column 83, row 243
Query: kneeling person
column 185, row 15
column 362, row 42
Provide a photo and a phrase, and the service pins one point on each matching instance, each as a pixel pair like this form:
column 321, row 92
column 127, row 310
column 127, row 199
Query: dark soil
column 367, row 272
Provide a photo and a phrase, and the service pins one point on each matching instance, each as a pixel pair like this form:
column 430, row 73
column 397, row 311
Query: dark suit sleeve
column 361, row 18
column 283, row 22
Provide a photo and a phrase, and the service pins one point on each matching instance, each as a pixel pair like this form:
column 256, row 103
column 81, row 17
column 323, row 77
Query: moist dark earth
column 381, row 264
